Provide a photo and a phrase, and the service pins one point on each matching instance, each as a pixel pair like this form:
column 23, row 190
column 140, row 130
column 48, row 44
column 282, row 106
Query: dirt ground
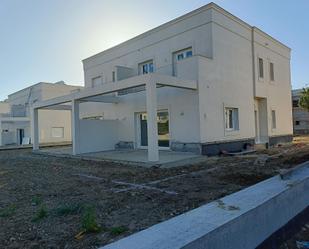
column 299, row 241
column 46, row 201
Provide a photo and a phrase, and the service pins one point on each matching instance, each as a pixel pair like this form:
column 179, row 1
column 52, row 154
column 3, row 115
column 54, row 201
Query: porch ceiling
column 96, row 94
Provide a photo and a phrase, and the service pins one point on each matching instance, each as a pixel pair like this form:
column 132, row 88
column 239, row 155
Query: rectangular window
column 273, row 119
column 261, row 68
column 146, row 67
column 231, row 119
column 57, row 132
column 97, row 81
column 271, row 71
column 113, row 76
column 186, row 53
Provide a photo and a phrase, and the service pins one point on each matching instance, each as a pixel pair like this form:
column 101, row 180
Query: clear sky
column 45, row 40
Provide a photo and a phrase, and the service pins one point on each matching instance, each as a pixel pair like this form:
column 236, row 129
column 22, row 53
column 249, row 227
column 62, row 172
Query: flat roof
column 183, row 17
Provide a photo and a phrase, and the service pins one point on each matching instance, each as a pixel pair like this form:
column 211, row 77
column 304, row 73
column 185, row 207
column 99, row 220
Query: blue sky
column 45, row 40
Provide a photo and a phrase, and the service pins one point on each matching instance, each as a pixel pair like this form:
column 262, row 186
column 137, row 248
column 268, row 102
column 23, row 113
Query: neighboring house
column 4, row 107
column 204, row 82
column 300, row 115
column 15, row 115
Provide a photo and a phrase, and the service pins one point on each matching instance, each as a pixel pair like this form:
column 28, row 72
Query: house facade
column 300, row 115
column 15, row 117
column 202, row 83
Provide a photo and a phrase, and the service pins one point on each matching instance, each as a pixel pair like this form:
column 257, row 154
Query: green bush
column 89, row 223
column 8, row 211
column 118, row 230
column 41, row 214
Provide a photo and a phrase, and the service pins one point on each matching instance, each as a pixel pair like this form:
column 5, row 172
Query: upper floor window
column 186, row 53
column 146, row 67
column 261, row 68
column 271, row 71
column 231, row 119
column 96, row 81
column 113, row 76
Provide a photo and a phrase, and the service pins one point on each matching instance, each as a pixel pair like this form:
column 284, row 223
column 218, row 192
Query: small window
column 146, row 67
column 273, row 119
column 261, row 68
column 231, row 119
column 295, row 103
column 271, row 71
column 186, row 53
column 113, row 76
column 57, row 132
column 97, row 81
column 297, row 122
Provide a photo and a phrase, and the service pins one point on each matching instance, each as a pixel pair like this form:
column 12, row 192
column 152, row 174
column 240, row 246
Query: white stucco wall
column 49, row 119
column 223, row 66
column 158, row 44
column 226, row 81
column 98, row 135
column 277, row 92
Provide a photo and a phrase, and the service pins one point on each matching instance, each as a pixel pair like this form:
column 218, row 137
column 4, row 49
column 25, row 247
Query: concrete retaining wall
column 242, row 220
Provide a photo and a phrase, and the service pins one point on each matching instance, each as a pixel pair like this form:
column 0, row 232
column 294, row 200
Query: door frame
column 20, row 136
column 138, row 129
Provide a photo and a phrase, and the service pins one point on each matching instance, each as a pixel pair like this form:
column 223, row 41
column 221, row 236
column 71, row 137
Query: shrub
column 89, row 223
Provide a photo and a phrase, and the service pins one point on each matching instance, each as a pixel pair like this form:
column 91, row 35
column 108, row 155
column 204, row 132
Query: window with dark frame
column 231, row 119
column 261, row 68
column 146, row 67
column 113, row 76
column 273, row 119
column 183, row 54
column 271, row 71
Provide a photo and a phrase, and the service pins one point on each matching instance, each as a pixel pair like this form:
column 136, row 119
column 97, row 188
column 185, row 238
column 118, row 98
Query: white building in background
column 55, row 126
column 300, row 115
column 204, row 82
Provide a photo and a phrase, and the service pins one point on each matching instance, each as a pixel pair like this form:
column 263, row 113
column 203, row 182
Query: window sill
column 231, row 132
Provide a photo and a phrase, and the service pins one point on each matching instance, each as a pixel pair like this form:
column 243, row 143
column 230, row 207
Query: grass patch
column 68, row 209
column 8, row 211
column 89, row 223
column 118, row 230
column 41, row 214
column 36, row 200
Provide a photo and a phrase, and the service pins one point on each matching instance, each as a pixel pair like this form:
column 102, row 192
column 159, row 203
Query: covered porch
column 83, row 138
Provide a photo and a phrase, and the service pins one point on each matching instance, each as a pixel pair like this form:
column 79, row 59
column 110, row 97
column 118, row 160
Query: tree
column 304, row 99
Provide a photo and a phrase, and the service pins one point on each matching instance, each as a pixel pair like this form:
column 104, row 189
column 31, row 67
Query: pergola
column 150, row 81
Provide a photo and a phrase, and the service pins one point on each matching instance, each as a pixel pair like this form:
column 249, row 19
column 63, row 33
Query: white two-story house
column 55, row 126
column 204, row 82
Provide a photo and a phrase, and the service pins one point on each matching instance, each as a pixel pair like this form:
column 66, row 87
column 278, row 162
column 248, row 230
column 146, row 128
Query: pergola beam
column 58, row 107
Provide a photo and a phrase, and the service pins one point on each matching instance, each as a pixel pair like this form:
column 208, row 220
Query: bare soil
column 43, row 199
column 299, row 241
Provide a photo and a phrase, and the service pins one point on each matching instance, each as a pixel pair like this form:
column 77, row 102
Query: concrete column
column 152, row 125
column 75, row 127
column 35, row 128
